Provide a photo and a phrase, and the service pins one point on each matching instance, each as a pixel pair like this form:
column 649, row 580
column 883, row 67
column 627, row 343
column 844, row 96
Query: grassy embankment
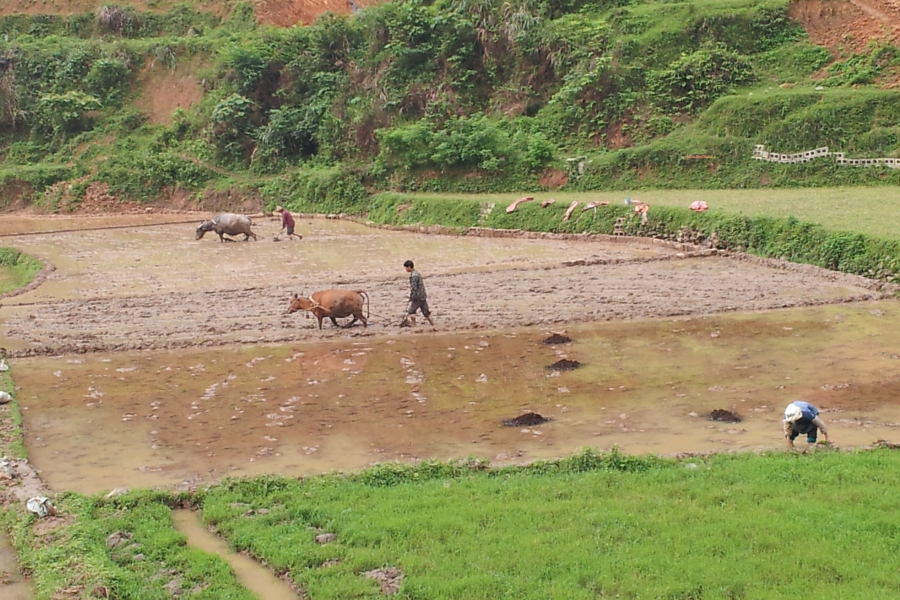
column 870, row 211
column 744, row 526
column 17, row 269
column 842, row 249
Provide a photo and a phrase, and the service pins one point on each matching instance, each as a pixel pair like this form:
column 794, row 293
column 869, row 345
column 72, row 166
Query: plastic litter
column 40, row 506
column 699, row 206
column 3, row 365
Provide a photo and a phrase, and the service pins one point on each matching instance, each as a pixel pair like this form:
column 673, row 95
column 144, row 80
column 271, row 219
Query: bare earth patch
column 164, row 90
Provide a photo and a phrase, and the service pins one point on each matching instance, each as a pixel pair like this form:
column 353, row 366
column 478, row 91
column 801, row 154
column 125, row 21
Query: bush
column 477, row 143
column 108, row 78
column 693, row 81
column 66, row 113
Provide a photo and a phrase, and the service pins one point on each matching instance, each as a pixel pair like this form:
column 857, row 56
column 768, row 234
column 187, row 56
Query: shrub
column 693, row 81
column 66, row 112
column 107, row 78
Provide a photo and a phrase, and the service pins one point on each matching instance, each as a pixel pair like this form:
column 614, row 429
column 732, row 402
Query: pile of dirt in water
column 557, row 339
column 726, row 416
column 564, row 365
column 529, row 419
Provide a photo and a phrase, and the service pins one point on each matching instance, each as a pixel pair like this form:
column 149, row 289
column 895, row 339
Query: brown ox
column 334, row 304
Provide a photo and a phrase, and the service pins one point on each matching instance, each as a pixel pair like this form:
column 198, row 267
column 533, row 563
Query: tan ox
column 334, row 304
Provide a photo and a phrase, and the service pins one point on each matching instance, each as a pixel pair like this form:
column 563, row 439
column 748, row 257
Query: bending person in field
column 417, row 297
column 287, row 222
column 803, row 418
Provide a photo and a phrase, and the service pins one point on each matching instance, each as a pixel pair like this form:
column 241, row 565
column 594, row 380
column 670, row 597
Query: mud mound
column 529, row 419
column 564, row 365
column 557, row 339
column 726, row 416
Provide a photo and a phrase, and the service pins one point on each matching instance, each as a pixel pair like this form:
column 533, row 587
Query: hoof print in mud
column 564, row 365
column 725, row 416
column 529, row 419
column 557, row 339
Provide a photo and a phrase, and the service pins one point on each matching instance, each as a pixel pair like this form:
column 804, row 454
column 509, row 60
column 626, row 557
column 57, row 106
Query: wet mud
column 557, row 339
column 134, row 419
column 564, row 365
column 529, row 419
column 13, row 585
column 725, row 416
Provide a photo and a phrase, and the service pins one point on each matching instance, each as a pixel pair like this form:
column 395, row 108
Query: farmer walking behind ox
column 287, row 222
column 417, row 298
column 803, row 417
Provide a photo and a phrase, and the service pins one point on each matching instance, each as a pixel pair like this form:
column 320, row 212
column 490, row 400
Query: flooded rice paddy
column 148, row 358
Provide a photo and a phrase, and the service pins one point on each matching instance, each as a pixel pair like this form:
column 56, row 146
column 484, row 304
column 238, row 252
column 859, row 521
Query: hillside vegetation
column 450, row 95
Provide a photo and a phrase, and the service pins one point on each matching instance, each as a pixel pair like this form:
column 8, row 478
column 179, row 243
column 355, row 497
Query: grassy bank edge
column 22, row 268
column 785, row 238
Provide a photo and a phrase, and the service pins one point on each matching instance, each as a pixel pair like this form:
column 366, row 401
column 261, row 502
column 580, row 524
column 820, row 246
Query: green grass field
column 770, row 526
column 874, row 211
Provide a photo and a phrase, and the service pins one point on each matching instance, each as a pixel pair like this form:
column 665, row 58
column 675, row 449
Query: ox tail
column 366, row 298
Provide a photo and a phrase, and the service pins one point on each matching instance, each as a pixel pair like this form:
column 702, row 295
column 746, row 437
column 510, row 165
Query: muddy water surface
column 100, row 421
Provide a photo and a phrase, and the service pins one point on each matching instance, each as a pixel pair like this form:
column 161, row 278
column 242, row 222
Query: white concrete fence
column 760, row 153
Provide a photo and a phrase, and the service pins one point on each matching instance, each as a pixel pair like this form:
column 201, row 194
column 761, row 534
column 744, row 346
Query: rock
column 174, row 587
column 5, row 398
column 324, row 538
column 118, row 539
column 262, row 511
column 388, row 579
column 139, row 557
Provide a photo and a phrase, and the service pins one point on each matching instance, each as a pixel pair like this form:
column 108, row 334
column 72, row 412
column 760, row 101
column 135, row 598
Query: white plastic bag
column 40, row 506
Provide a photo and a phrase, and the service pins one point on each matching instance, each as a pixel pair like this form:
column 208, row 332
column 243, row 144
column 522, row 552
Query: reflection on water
column 97, row 422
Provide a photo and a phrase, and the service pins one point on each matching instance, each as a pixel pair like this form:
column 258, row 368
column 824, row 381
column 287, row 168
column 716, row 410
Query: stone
column 117, row 539
column 324, row 538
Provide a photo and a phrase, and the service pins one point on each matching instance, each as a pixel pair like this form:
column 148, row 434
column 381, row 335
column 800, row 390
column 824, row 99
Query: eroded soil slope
column 849, row 25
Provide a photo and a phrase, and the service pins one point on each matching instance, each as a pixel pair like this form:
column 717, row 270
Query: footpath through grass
column 871, row 211
column 753, row 526
column 17, row 269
